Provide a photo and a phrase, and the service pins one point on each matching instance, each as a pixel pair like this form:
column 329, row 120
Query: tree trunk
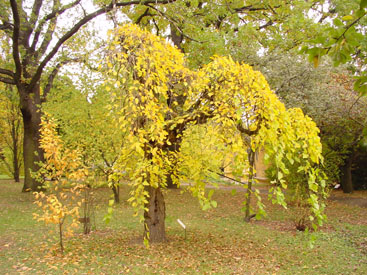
column 16, row 170
column 15, row 136
column 116, row 192
column 169, row 182
column 251, row 159
column 174, row 147
column 154, row 218
column 346, row 177
column 32, row 153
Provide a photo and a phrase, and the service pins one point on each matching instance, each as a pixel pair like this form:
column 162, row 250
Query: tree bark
column 116, row 192
column 15, row 141
column 169, row 182
column 251, row 159
column 154, row 218
column 174, row 147
column 32, row 153
column 346, row 177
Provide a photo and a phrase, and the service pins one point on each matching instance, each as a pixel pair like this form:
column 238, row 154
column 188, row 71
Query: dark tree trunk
column 116, row 192
column 169, row 182
column 251, row 159
column 174, row 147
column 346, row 177
column 154, row 218
column 16, row 167
column 32, row 153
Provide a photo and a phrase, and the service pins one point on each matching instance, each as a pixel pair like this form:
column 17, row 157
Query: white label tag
column 181, row 223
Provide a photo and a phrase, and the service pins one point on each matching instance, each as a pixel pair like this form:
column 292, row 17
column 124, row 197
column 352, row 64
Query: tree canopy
column 158, row 98
column 42, row 36
column 343, row 38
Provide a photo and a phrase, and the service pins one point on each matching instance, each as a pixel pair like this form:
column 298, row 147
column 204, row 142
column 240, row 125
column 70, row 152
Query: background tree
column 327, row 95
column 10, row 132
column 38, row 49
column 86, row 124
column 41, row 43
column 202, row 28
column 344, row 36
column 65, row 180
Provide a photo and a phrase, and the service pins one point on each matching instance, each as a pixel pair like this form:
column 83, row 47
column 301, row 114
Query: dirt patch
column 281, row 226
column 360, row 202
column 288, row 226
column 357, row 198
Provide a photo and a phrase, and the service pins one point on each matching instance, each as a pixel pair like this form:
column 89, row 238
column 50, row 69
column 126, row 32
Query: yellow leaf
column 347, row 18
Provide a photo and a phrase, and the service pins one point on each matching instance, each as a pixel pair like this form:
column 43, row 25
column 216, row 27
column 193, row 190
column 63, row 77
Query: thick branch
column 7, row 80
column 145, row 13
column 246, row 131
column 107, row 163
column 18, row 67
column 35, row 11
column 33, row 18
column 47, row 38
column 197, row 118
column 173, row 22
column 7, row 72
column 48, row 17
column 56, row 13
column 267, row 24
column 252, row 8
column 6, row 26
column 81, row 23
column 53, row 74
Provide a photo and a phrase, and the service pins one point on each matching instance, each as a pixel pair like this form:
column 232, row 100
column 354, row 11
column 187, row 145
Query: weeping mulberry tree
column 246, row 105
column 158, row 98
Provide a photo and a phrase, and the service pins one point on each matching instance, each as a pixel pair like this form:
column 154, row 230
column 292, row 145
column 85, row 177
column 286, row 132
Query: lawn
column 217, row 241
column 4, row 177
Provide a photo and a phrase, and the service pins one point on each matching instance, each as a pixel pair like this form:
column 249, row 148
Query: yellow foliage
column 63, row 174
column 163, row 100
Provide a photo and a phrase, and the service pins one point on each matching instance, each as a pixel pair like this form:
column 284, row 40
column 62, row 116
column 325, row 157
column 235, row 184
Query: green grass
column 4, row 177
column 218, row 241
